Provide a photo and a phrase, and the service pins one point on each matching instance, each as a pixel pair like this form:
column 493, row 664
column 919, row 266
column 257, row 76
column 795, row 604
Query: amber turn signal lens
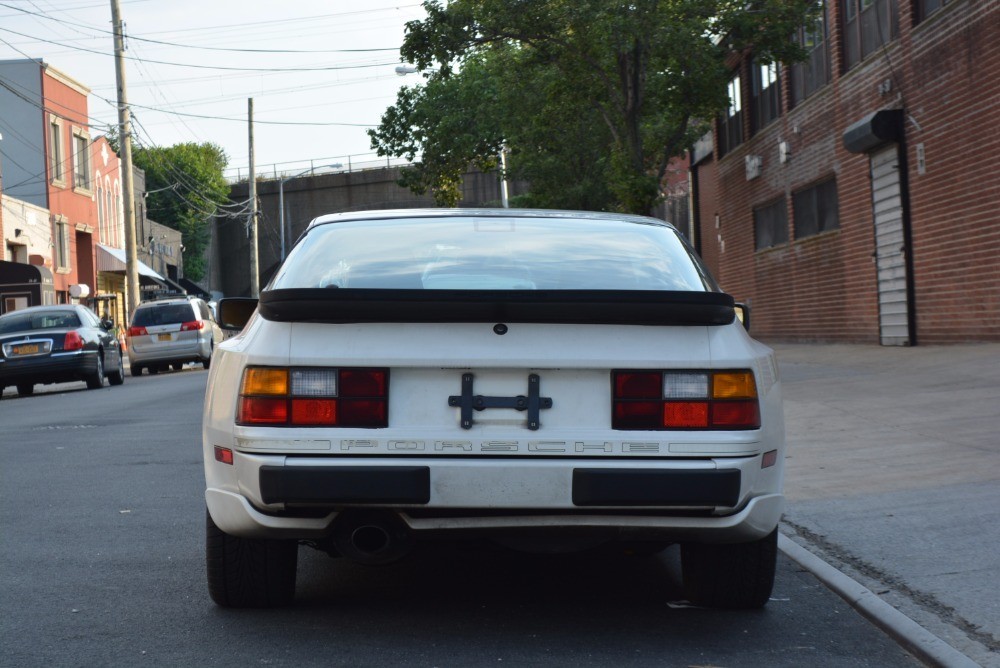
column 264, row 381
column 733, row 385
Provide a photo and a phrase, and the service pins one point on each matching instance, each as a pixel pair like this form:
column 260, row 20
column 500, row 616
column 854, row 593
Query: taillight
column 193, row 326
column 137, row 331
column 314, row 397
column 660, row 400
column 73, row 341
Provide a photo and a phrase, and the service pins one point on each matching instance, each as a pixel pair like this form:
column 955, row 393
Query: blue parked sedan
column 57, row 344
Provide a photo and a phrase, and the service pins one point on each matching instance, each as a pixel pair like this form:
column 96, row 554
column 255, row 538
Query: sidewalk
column 893, row 477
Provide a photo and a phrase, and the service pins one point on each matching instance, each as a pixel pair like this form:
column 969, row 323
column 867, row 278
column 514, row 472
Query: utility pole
column 254, row 270
column 125, row 141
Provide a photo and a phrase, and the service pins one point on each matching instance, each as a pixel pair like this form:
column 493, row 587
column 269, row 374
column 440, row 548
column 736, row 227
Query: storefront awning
column 113, row 260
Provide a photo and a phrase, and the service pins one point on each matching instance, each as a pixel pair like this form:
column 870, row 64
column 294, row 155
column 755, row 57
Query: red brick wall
column 944, row 75
column 78, row 207
column 708, row 201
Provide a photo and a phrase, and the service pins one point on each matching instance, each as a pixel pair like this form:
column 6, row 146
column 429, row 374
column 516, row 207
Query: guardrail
column 331, row 165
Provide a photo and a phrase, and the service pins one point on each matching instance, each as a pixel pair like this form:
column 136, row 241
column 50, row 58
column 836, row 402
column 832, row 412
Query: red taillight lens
column 638, row 415
column 263, row 410
column 193, row 326
column 362, row 382
column 314, row 412
column 661, row 400
column 740, row 414
column 72, row 341
column 137, row 331
column 634, row 385
column 363, row 413
column 314, row 397
column 685, row 414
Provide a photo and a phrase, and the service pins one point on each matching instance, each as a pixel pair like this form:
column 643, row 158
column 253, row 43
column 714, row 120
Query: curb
column 923, row 644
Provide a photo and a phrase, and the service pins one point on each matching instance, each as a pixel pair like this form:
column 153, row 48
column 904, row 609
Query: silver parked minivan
column 171, row 332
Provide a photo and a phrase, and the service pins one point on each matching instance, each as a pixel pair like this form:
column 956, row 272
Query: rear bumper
column 167, row 353
column 703, row 500
column 57, row 368
column 234, row 514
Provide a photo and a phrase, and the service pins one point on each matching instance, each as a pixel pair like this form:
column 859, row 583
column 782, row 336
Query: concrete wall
column 308, row 197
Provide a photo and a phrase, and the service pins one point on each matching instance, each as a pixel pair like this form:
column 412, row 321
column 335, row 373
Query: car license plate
column 27, row 349
column 163, row 337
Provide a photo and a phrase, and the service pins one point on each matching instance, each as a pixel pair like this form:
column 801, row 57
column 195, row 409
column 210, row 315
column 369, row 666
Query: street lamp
column 281, row 200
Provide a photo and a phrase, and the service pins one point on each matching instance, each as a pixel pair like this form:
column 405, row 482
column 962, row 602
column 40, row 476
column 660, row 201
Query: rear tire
column 153, row 370
column 249, row 572
column 96, row 379
column 136, row 369
column 734, row 576
column 177, row 366
column 117, row 377
column 25, row 389
column 207, row 362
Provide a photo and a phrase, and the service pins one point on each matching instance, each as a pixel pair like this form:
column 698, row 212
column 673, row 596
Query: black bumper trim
column 345, row 484
column 636, row 487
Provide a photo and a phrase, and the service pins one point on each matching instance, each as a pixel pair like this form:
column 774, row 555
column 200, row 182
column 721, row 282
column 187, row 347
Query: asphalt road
column 101, row 547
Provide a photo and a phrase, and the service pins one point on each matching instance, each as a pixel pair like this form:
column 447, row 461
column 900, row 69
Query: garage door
column 890, row 247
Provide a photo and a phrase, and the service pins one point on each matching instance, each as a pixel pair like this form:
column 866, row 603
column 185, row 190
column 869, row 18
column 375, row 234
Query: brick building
column 848, row 197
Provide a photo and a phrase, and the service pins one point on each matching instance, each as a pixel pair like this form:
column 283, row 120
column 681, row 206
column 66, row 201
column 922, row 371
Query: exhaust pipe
column 371, row 537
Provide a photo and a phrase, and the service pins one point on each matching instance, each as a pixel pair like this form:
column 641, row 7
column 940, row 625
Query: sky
column 319, row 73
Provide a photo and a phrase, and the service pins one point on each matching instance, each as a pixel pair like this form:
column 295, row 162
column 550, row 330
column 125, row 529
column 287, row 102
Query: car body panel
column 51, row 363
column 499, row 473
column 166, row 343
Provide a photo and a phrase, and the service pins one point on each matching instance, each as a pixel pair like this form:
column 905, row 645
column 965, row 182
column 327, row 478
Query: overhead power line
column 320, row 68
column 134, row 38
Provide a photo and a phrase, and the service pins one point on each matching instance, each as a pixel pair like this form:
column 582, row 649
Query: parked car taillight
column 137, row 331
column 193, row 326
column 314, row 397
column 658, row 400
column 73, row 341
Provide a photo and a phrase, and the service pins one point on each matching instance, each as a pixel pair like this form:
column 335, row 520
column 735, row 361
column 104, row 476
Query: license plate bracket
column 532, row 403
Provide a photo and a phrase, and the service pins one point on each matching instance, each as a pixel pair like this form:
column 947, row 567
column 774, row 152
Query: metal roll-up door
column 890, row 247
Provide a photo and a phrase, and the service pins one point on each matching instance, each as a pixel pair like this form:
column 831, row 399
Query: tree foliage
column 185, row 183
column 592, row 97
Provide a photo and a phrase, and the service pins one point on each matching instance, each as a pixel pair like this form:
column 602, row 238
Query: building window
column 766, row 103
column 770, row 224
column 813, row 73
column 731, row 123
column 81, row 159
column 925, row 8
column 61, row 244
column 56, row 152
column 815, row 209
column 868, row 24
column 101, row 223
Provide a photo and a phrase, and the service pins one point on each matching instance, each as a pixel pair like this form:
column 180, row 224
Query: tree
column 185, row 183
column 555, row 80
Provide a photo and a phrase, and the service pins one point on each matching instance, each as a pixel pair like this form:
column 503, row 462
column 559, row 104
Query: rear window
column 493, row 253
column 38, row 320
column 163, row 314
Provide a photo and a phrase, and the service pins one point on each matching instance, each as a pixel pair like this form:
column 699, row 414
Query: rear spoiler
column 604, row 307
